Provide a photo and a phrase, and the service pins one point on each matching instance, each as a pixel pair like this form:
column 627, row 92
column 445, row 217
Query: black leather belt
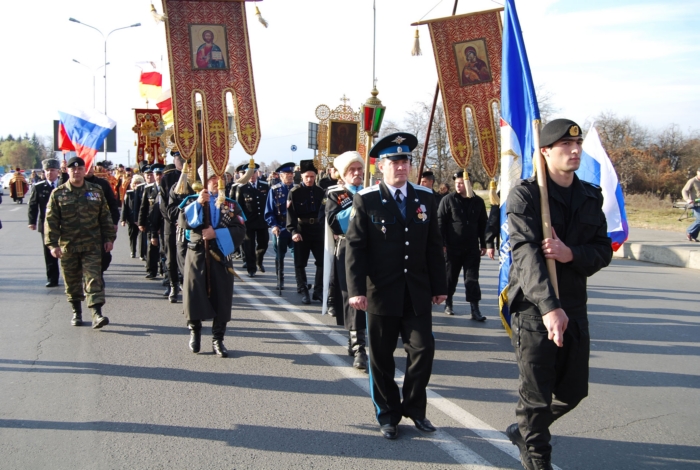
column 309, row 221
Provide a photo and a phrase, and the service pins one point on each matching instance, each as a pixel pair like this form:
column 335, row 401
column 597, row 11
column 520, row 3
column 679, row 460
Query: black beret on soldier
column 75, row 162
column 558, row 129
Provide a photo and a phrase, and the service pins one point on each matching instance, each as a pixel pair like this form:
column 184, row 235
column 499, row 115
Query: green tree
column 18, row 154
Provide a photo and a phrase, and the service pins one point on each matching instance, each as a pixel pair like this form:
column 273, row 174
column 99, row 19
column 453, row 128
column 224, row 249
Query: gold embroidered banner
column 209, row 55
column 147, row 127
column 468, row 57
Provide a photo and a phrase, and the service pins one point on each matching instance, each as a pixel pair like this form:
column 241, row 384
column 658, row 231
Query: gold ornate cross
column 248, row 132
column 187, row 135
column 460, row 148
column 217, row 128
column 345, row 100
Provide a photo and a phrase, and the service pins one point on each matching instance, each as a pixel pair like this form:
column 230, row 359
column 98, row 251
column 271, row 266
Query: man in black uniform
column 305, row 213
column 148, row 222
column 252, row 197
column 147, row 176
column 462, row 223
column 550, row 334
column 395, row 271
column 129, row 210
column 427, row 180
column 37, row 208
column 171, row 176
column 350, row 167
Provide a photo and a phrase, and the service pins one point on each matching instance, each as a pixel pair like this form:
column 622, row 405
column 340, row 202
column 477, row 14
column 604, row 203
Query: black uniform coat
column 169, row 179
column 129, row 209
column 252, row 201
column 386, row 254
column 493, row 227
column 197, row 305
column 150, row 212
column 37, row 203
column 462, row 222
column 305, row 203
column 585, row 233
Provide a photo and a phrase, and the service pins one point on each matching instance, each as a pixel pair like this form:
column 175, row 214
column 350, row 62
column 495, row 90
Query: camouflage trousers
column 82, row 275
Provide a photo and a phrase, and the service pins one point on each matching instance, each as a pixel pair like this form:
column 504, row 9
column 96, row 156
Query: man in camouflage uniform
column 77, row 225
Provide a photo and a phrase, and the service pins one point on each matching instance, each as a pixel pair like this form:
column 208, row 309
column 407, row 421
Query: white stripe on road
column 16, row 209
column 454, row 411
column 455, row 449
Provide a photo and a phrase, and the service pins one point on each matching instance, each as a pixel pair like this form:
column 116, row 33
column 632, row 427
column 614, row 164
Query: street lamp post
column 104, row 37
column 94, row 73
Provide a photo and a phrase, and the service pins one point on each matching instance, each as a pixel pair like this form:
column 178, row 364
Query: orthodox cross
column 217, row 128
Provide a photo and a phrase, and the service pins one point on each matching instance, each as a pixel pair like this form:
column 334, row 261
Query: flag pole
column 541, row 172
column 430, row 121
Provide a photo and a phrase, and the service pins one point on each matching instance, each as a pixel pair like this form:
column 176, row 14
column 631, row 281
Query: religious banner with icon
column 468, row 57
column 148, row 128
column 209, row 56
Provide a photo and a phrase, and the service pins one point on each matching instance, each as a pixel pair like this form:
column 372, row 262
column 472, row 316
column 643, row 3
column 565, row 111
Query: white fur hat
column 210, row 172
column 344, row 160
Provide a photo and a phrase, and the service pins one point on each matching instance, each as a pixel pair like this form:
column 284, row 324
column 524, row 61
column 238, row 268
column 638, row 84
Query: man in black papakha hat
column 396, row 272
column 550, row 333
column 305, row 221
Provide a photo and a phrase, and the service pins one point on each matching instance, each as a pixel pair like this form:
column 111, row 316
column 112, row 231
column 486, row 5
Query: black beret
column 307, row 165
column 75, row 162
column 459, row 174
column 428, row 174
column 557, row 130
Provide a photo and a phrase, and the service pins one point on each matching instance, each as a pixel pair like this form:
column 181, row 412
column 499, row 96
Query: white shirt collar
column 403, row 189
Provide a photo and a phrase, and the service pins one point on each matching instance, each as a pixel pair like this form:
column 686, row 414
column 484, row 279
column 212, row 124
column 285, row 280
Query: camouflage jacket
column 78, row 219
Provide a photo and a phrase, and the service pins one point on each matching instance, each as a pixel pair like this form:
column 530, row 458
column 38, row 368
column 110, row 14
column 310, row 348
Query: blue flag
column 519, row 111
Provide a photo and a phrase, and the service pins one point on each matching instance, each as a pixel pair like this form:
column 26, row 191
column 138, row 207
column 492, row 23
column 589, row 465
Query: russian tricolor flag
column 87, row 130
column 596, row 168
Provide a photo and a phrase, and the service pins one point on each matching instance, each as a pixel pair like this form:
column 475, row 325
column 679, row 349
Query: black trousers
column 553, row 380
column 419, row 344
column 469, row 261
column 302, row 250
column 153, row 254
column 133, row 231
column 218, row 328
column 170, row 248
column 254, row 247
column 52, row 273
column 143, row 243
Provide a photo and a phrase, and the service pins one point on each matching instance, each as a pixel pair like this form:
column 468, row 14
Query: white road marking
column 15, row 209
column 454, row 411
column 455, row 449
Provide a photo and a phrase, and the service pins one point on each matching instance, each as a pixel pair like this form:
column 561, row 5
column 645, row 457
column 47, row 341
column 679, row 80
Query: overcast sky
column 635, row 58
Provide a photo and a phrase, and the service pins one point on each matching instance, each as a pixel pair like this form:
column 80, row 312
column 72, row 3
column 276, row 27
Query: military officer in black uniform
column 252, row 197
column 305, row 214
column 276, row 218
column 550, row 334
column 171, row 175
column 37, row 208
column 395, row 272
column 462, row 221
column 148, row 222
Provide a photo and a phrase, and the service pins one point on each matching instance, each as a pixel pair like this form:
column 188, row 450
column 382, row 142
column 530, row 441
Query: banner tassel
column 221, row 198
column 157, row 16
column 493, row 194
column 182, row 183
column 260, row 18
column 468, row 184
column 416, row 45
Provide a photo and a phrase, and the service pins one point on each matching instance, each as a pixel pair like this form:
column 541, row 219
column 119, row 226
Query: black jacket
column 37, row 203
column 385, row 254
column 306, row 211
column 149, row 214
column 585, row 233
column 170, row 179
column 462, row 222
column 109, row 195
column 128, row 208
column 252, row 201
column 493, row 227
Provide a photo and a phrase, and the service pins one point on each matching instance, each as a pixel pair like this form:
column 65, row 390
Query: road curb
column 681, row 257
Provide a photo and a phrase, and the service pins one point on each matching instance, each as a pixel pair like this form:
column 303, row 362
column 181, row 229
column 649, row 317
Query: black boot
column 448, row 307
column 77, row 313
column 358, row 342
column 98, row 321
column 305, row 299
column 476, row 314
column 513, row 433
column 542, row 464
column 195, row 339
column 218, row 347
column 174, row 291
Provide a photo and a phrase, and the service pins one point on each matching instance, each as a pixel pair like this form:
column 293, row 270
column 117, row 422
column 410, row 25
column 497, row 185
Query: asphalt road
column 133, row 396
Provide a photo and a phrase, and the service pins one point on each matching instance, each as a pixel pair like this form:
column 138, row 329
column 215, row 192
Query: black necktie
column 398, row 197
